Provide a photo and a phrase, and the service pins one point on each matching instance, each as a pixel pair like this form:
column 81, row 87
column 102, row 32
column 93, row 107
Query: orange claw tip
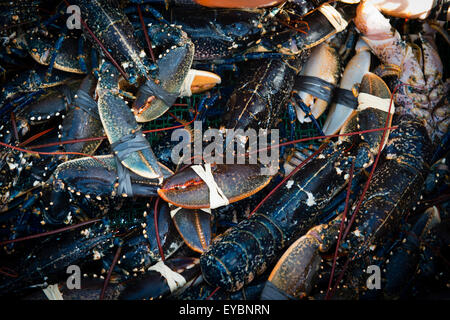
column 238, row 4
column 203, row 80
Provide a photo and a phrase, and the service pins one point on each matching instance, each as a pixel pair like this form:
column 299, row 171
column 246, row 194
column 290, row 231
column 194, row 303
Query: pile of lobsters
column 97, row 202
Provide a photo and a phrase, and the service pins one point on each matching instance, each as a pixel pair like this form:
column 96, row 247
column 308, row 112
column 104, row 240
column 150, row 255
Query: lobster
column 231, row 261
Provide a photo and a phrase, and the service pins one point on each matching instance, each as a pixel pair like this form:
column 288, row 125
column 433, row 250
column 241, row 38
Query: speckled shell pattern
column 421, row 68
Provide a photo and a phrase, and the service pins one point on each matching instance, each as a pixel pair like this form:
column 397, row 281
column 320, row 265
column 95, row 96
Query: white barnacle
column 338, row 171
column 321, row 156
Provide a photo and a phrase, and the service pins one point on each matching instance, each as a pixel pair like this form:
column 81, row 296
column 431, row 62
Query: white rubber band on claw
column 185, row 90
column 369, row 101
column 216, row 196
column 174, row 279
column 334, row 17
column 52, row 292
column 174, row 211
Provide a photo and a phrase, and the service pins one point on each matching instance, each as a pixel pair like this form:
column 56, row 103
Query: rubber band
column 149, row 88
column 318, row 87
column 67, row 92
column 346, row 98
column 334, row 17
column 52, row 292
column 85, row 102
column 369, row 101
column 123, row 148
column 123, row 174
column 174, row 211
column 185, row 90
column 216, row 196
column 174, row 279
column 130, row 143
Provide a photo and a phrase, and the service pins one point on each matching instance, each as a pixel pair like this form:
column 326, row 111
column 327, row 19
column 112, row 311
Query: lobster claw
column 161, row 279
column 154, row 98
column 99, row 177
column 127, row 141
column 198, row 81
column 234, row 182
column 315, row 75
column 239, row 4
column 342, row 110
column 374, row 103
column 194, row 227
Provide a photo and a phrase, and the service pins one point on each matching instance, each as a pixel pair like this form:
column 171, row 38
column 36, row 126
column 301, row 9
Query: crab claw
column 194, row 227
column 353, row 74
column 198, row 81
column 238, row 4
column 236, row 181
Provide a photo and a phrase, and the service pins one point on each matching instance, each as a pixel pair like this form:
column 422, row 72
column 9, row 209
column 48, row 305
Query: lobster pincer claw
column 100, row 177
column 213, row 185
column 162, row 279
column 198, row 81
column 126, row 138
column 316, row 84
column 158, row 94
column 194, row 226
column 345, row 101
column 374, row 108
